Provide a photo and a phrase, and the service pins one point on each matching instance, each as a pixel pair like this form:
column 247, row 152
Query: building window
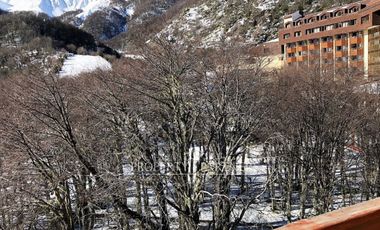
column 297, row 34
column 356, row 34
column 354, row 9
column 365, row 19
column 339, row 13
column 338, row 25
column 327, row 50
column 327, row 39
column 309, row 31
column 352, row 22
column 314, row 41
column 286, row 36
column 301, row 43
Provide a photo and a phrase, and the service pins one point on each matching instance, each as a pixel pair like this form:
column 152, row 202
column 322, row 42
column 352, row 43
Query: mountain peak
column 54, row 8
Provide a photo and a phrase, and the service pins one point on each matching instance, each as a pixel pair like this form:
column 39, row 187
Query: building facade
column 340, row 38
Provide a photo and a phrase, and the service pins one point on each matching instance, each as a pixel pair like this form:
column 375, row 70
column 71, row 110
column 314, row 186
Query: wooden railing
column 363, row 216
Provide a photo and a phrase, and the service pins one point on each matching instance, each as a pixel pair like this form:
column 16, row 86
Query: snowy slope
column 4, row 6
column 77, row 64
column 54, row 7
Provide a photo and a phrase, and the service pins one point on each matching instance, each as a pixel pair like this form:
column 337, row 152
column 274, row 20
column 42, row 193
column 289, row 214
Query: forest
column 169, row 141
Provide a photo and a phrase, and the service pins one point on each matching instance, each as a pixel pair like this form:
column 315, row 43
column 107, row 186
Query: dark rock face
column 104, row 25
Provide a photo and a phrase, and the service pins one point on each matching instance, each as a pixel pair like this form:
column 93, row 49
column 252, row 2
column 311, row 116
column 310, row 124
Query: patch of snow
column 78, row 64
column 54, row 8
column 130, row 11
column 4, row 6
column 92, row 7
column 267, row 4
column 273, row 41
column 134, row 56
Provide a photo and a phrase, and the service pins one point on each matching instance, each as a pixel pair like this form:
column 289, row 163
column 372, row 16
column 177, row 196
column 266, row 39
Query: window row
column 324, row 16
column 328, row 27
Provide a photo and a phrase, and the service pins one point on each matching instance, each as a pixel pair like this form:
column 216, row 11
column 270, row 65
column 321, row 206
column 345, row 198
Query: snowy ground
column 78, row 64
column 260, row 214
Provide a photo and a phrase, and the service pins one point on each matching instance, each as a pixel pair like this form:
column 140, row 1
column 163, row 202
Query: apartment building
column 346, row 36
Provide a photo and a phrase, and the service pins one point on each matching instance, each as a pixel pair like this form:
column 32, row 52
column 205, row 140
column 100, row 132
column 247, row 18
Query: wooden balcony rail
column 341, row 42
column 356, row 40
column 301, row 58
column 291, row 50
column 327, row 44
column 314, row 47
column 301, row 48
column 341, row 53
column 355, row 52
column 363, row 216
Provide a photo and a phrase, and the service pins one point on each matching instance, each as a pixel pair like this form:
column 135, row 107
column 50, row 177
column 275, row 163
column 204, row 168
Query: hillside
column 199, row 22
column 249, row 22
column 38, row 40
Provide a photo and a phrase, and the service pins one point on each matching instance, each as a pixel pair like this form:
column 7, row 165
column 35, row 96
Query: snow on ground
column 55, row 7
column 92, row 7
column 260, row 214
column 267, row 4
column 134, row 56
column 77, row 64
column 372, row 88
column 273, row 41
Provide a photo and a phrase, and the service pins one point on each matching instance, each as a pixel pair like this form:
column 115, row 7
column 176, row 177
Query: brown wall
column 368, row 10
column 374, row 52
column 267, row 49
column 363, row 216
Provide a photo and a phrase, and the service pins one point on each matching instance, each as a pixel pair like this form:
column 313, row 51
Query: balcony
column 341, row 42
column 356, row 52
column 291, row 50
column 301, row 48
column 327, row 44
column 362, row 216
column 301, row 58
column 341, row 53
column 356, row 40
column 314, row 47
column 291, row 59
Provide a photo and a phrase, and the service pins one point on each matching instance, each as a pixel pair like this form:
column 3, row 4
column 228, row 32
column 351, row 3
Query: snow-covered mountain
column 54, row 7
column 102, row 18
